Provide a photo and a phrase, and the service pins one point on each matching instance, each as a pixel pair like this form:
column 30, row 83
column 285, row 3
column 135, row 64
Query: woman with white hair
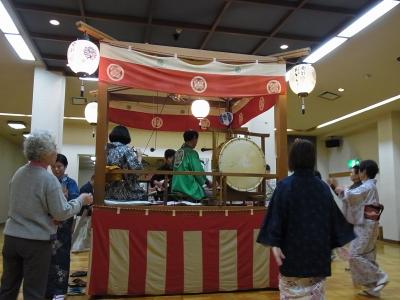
column 36, row 201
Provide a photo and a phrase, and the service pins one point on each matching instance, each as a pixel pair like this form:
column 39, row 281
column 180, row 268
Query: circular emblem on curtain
column 261, row 103
column 115, row 72
column 198, row 84
column 204, row 123
column 274, row 87
column 157, row 122
column 241, row 118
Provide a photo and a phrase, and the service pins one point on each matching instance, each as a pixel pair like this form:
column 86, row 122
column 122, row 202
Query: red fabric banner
column 153, row 240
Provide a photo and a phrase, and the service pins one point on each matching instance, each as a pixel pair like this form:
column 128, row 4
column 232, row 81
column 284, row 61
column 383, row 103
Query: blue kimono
column 57, row 283
column 304, row 221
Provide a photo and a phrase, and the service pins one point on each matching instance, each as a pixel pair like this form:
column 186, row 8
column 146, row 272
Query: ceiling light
column 284, row 47
column 369, row 17
column 89, row 78
column 93, row 158
column 14, row 115
column 26, row 134
column 16, row 124
column 54, row 22
column 340, row 89
column 394, row 98
column 329, row 46
column 20, row 47
column 6, row 23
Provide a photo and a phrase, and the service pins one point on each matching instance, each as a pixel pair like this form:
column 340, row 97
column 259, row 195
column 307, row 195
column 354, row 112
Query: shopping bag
column 81, row 236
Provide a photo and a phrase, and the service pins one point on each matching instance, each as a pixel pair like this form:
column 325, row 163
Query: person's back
column 29, row 211
column 308, row 240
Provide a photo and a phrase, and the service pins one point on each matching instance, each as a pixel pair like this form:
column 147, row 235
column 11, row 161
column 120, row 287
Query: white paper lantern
column 91, row 113
column 83, row 57
column 302, row 79
column 200, row 109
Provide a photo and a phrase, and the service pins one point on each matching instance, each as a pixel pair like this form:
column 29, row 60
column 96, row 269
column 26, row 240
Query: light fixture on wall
column 91, row 114
column 302, row 80
column 16, row 125
column 200, row 108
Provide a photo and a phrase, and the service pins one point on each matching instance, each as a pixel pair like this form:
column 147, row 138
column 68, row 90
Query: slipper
column 78, row 280
column 381, row 283
column 369, row 293
column 75, row 291
column 79, row 274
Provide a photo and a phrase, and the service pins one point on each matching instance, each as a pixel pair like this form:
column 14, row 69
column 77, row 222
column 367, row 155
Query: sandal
column 79, row 274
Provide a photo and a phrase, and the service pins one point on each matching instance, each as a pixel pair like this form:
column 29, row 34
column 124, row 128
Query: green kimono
column 187, row 159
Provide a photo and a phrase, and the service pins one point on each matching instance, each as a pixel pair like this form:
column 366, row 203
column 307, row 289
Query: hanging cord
column 162, row 108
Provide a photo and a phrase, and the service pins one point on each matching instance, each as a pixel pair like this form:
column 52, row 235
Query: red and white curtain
column 258, row 85
column 149, row 252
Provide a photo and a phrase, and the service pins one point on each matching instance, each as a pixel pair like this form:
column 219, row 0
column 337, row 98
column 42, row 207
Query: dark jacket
column 305, row 222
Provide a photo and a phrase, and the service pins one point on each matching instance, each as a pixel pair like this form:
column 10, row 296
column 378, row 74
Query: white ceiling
column 372, row 51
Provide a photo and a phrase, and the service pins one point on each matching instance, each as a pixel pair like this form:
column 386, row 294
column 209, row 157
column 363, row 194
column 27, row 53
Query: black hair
column 169, row 153
column 356, row 169
column 120, row 134
column 317, row 174
column 190, row 135
column 370, row 167
column 267, row 168
column 302, row 155
column 61, row 158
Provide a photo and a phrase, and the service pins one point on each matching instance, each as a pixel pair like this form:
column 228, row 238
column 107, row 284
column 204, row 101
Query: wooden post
column 281, row 137
column 101, row 142
column 214, row 165
column 263, row 187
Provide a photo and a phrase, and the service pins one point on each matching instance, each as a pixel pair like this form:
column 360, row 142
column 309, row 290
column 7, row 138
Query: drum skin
column 240, row 155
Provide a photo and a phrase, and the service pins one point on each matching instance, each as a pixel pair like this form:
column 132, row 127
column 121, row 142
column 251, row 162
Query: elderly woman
column 303, row 224
column 36, row 201
column 57, row 284
column 120, row 155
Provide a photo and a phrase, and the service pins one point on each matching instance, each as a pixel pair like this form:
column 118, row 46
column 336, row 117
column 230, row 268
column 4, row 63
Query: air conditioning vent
column 329, row 96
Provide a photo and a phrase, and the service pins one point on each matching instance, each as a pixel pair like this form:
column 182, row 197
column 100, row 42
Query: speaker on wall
column 333, row 143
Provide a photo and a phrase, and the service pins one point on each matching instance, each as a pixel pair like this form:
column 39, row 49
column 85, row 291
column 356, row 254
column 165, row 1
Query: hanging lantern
column 91, row 113
column 200, row 109
column 83, row 57
column 302, row 79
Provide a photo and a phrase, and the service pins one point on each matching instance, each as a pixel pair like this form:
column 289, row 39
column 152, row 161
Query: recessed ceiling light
column 6, row 23
column 16, row 124
column 54, row 22
column 284, row 47
column 20, row 47
column 26, row 134
column 340, row 89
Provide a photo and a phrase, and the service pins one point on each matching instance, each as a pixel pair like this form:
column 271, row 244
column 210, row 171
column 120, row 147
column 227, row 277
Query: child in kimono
column 363, row 210
column 303, row 224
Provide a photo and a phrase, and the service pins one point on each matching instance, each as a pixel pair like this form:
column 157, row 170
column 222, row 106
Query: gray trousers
column 27, row 260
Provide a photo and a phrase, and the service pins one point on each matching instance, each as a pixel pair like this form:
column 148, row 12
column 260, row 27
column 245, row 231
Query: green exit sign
column 353, row 162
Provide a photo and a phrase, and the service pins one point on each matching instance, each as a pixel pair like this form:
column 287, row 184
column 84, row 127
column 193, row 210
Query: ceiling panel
column 198, row 12
column 120, row 7
column 68, row 4
column 120, row 30
column 232, row 43
column 273, row 46
column 258, row 17
column 165, row 36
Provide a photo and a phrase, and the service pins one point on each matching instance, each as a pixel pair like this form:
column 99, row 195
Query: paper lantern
column 83, row 57
column 302, row 80
column 91, row 113
column 200, row 109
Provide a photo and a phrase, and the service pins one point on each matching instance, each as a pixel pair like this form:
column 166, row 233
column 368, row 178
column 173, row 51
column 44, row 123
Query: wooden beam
column 101, row 142
column 281, row 137
column 216, row 23
column 157, row 100
column 93, row 32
